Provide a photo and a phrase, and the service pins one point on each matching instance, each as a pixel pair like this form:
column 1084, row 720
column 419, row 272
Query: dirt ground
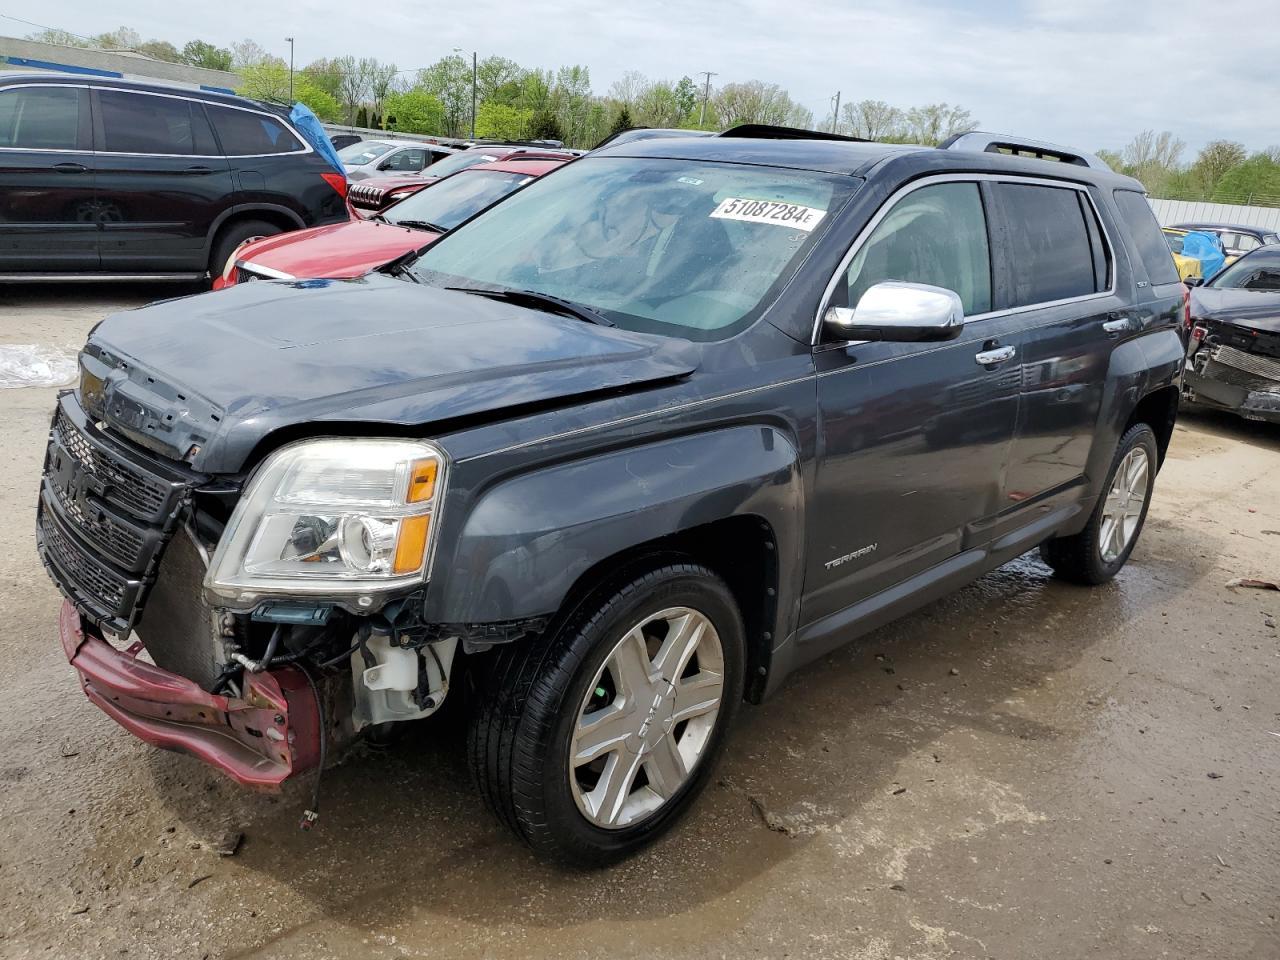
column 1023, row 770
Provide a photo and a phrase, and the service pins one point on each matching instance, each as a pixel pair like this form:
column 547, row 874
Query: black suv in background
column 112, row 178
column 623, row 450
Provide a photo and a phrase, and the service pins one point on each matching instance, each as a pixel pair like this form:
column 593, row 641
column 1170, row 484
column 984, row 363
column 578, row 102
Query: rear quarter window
column 1141, row 223
column 244, row 133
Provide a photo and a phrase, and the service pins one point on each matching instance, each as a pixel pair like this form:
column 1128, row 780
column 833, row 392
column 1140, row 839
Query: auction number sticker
column 769, row 211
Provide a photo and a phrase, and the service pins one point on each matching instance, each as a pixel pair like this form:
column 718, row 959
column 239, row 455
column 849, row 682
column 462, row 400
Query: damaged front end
column 1235, row 368
column 257, row 652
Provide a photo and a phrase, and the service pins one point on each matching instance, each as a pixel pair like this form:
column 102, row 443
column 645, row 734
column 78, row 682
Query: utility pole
column 706, row 93
column 289, row 40
column 474, row 76
column 835, row 114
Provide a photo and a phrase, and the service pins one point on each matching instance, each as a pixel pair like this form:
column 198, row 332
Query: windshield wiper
column 399, row 267
column 420, row 225
column 545, row 301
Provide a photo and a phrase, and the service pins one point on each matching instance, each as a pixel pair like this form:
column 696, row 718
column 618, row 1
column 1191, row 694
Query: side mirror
column 1194, row 281
column 899, row 312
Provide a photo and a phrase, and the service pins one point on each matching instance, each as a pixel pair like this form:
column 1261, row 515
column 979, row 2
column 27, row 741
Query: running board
column 99, row 277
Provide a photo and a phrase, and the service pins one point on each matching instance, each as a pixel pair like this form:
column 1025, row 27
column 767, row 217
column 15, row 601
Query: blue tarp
column 308, row 124
column 1206, row 248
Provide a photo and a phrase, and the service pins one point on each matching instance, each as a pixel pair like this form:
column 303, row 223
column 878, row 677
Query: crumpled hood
column 1257, row 309
column 204, row 379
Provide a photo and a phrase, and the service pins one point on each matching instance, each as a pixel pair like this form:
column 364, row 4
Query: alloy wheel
column 1122, row 511
column 646, row 718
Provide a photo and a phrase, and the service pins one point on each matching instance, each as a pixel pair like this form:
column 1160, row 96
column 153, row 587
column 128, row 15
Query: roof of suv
column 858, row 159
column 195, row 93
column 1213, row 225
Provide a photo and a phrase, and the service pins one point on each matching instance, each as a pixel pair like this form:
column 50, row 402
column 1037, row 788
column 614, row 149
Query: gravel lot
column 1023, row 770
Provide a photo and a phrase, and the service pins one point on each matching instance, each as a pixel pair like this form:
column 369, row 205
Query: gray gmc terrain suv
column 620, row 452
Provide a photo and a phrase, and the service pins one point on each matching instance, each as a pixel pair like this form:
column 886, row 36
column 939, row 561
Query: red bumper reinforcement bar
column 260, row 740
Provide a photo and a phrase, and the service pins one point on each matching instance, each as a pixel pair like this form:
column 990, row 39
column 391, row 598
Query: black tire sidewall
column 585, row 648
column 232, row 236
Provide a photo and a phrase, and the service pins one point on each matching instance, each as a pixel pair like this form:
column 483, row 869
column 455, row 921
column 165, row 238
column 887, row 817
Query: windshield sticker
column 769, row 211
column 694, row 181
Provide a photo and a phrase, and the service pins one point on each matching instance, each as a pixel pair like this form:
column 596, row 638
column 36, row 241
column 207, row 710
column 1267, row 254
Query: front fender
column 527, row 540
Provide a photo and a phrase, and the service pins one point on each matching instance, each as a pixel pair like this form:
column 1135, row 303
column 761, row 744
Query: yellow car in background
column 1188, row 267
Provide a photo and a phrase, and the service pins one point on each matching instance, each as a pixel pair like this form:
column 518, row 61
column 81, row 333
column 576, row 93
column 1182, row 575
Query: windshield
column 451, row 201
column 460, row 161
column 365, row 151
column 1260, row 272
column 695, row 249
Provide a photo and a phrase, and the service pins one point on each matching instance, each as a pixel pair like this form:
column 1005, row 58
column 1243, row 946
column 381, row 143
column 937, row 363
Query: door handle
column 989, row 358
column 70, row 167
column 198, row 171
column 1116, row 325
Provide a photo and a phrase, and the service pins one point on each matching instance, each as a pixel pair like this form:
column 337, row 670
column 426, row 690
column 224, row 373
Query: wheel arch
column 730, row 499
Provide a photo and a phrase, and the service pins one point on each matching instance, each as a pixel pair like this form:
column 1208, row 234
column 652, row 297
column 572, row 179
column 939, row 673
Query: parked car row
column 607, row 457
column 106, row 177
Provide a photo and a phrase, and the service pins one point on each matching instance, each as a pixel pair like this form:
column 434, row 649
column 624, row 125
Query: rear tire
column 1096, row 553
column 230, row 237
column 606, row 685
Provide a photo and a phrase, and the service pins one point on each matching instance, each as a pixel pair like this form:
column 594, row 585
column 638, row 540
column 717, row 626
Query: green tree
column 498, row 121
column 123, row 38
column 414, row 111
column 686, row 94
column 362, row 118
column 1256, row 181
column 63, row 38
column 160, row 50
column 622, row 121
column 1213, row 162
column 544, row 126
column 270, row 82
column 449, row 81
column 933, row 123
column 199, row 53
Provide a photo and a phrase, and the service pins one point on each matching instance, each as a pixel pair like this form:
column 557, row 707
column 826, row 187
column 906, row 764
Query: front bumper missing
column 259, row 740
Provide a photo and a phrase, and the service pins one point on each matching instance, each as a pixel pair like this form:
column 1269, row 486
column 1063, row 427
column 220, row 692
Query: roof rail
column 766, row 131
column 980, row 142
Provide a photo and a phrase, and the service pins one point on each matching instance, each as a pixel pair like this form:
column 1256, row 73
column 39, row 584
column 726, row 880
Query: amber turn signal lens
column 412, row 543
column 422, row 481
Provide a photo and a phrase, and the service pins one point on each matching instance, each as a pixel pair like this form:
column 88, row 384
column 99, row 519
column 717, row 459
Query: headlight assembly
column 339, row 517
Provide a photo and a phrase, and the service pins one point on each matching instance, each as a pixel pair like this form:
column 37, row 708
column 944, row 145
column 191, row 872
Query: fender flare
column 527, row 540
column 241, row 209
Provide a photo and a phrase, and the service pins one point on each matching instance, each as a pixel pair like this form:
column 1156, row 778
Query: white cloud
column 1086, row 72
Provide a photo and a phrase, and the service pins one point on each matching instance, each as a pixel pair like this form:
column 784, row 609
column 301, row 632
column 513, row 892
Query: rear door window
column 1055, row 249
column 145, row 124
column 406, row 161
column 1138, row 217
column 43, row 118
column 245, row 133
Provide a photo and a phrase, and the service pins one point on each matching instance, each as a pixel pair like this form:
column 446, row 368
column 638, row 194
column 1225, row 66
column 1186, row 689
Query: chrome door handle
column 998, row 355
column 1117, row 325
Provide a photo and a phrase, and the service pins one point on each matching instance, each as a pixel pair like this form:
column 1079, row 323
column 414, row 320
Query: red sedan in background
column 378, row 193
column 344, row 251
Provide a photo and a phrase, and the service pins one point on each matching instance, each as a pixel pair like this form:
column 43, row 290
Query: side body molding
column 528, row 539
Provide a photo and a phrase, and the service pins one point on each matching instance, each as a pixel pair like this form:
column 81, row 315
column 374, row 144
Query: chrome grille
column 363, row 195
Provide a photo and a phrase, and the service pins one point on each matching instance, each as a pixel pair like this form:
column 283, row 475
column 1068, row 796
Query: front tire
column 592, row 741
column 1096, row 553
column 230, row 239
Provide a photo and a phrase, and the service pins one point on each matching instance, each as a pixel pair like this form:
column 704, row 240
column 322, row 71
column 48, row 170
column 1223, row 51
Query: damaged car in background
column 1233, row 359
column 618, row 453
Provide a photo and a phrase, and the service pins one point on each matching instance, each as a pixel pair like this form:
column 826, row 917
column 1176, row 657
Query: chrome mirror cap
column 899, row 311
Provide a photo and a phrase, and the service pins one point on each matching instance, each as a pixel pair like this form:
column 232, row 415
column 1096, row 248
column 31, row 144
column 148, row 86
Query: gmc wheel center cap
column 658, row 719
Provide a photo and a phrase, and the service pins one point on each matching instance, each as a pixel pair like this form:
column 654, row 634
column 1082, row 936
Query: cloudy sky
column 1086, row 72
